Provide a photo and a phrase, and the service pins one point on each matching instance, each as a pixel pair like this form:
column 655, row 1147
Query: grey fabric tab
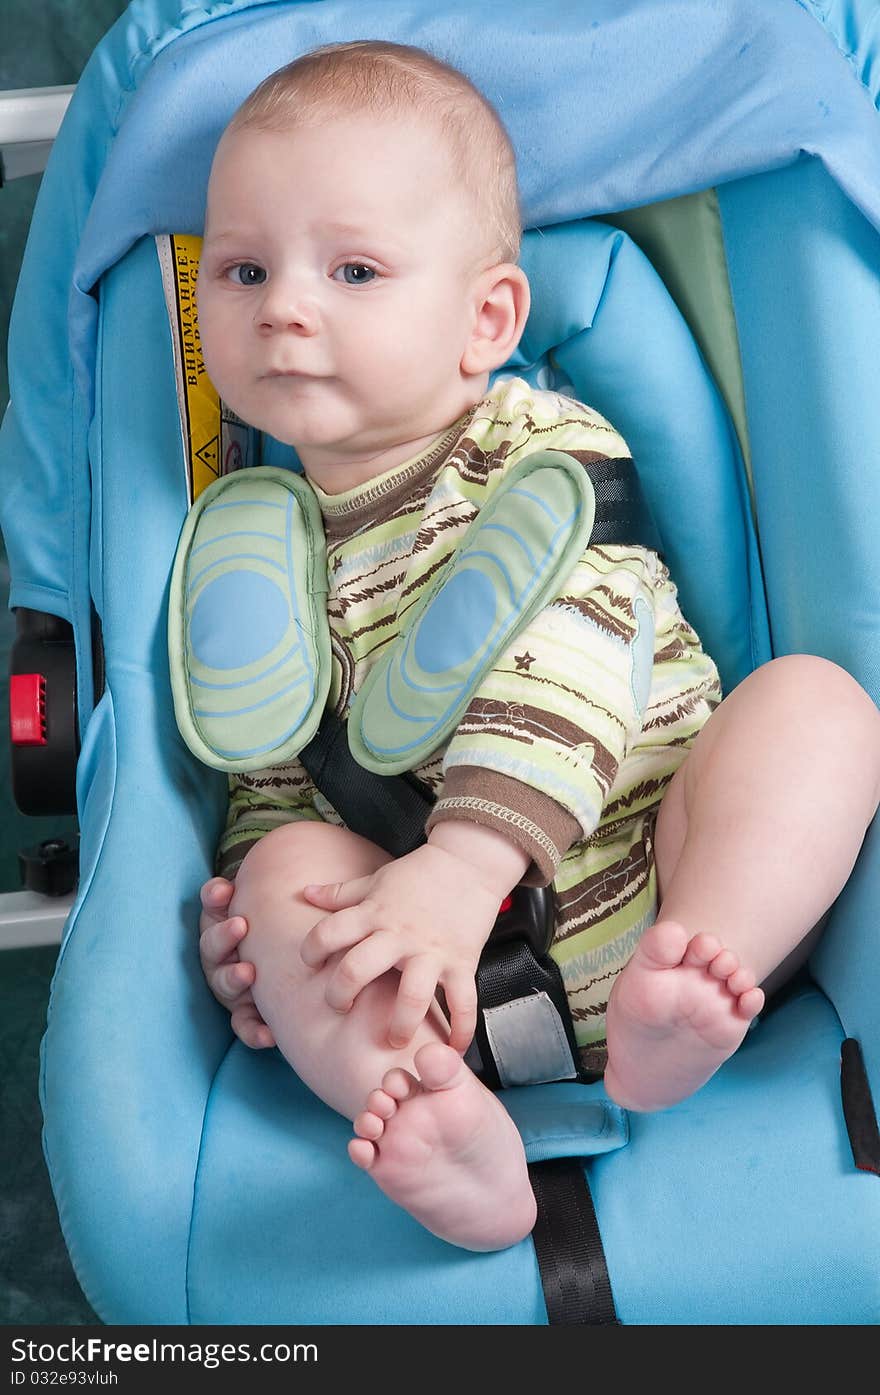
column 528, row 1041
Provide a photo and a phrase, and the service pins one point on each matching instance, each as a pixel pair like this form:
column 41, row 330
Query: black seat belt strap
column 858, row 1108
column 526, row 1041
column 623, row 514
column 391, row 810
column 568, row 1245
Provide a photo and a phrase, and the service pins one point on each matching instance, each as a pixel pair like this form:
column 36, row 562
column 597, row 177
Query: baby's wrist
column 499, row 863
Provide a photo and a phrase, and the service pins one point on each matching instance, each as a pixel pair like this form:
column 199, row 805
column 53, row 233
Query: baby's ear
column 501, row 300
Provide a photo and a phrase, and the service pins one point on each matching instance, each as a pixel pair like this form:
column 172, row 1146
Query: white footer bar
column 27, row 918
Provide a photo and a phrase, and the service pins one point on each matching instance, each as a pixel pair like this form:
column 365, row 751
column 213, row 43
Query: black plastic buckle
column 516, row 962
column 526, row 914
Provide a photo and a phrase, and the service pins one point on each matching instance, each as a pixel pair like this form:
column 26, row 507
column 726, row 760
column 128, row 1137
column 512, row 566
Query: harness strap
column 525, row 1034
column 623, row 514
column 568, row 1245
column 391, row 810
column 858, row 1108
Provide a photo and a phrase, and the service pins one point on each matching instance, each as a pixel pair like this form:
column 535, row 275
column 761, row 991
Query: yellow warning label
column 209, row 456
column 200, row 405
column 215, row 440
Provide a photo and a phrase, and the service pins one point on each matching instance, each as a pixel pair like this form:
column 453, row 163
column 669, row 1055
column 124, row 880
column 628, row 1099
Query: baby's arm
column 427, row 914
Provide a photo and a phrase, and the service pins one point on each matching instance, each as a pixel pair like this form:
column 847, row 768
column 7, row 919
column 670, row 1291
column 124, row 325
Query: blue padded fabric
column 852, row 24
column 281, row 1154
column 767, row 70
column 129, row 1003
column 604, row 327
column 804, row 271
column 762, row 1147
column 670, row 1206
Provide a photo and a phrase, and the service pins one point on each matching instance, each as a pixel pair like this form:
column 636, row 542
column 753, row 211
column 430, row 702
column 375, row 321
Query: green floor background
column 43, row 43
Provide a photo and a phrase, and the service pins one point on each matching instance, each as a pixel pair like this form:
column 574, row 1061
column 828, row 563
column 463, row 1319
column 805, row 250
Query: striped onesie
column 568, row 743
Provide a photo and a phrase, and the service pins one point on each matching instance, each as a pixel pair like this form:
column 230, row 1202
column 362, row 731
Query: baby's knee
column 827, row 704
column 848, row 707
column 821, row 688
column 289, row 857
column 290, row 844
column 282, row 862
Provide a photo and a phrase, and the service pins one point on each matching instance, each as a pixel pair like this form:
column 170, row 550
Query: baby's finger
column 231, row 980
column 418, row 984
column 215, row 896
column 368, row 960
column 218, row 941
column 249, row 1027
column 337, row 896
column 332, row 933
column 460, row 990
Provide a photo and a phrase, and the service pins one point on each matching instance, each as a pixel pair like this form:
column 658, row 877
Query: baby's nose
column 287, row 308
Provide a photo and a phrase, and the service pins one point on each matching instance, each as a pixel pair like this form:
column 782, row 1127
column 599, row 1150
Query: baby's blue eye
column 355, row 273
column 247, row 274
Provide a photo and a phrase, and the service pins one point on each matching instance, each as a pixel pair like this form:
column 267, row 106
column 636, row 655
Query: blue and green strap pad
column 249, row 642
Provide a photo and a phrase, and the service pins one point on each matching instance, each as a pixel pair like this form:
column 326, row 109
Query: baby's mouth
column 296, row 373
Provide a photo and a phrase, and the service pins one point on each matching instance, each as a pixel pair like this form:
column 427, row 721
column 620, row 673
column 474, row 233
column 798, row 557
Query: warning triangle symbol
column 210, row 455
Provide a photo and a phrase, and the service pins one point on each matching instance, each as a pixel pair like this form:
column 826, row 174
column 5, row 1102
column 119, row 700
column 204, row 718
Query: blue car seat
column 702, row 186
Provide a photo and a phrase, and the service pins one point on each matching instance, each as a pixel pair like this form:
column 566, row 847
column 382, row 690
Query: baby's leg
column 430, row 1134
column 756, row 836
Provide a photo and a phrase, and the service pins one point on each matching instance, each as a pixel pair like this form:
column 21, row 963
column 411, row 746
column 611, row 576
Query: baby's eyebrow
column 360, row 231
column 356, row 228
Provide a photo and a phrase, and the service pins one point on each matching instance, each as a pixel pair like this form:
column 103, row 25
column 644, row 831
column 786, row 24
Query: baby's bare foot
column 678, row 1010
column 444, row 1148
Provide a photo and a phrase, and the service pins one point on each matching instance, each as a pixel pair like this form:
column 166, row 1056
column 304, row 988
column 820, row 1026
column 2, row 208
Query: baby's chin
column 339, row 443
column 300, row 413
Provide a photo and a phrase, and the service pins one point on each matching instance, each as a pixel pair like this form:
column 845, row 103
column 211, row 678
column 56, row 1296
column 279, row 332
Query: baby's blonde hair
column 381, row 78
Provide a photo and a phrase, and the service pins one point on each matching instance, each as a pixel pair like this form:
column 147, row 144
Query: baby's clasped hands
column 428, row 914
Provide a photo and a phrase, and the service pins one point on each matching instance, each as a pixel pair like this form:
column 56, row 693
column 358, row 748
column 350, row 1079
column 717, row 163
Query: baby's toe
column 439, row 1066
column 662, row 945
column 399, row 1084
column 702, row 949
column 382, row 1104
column 724, row 964
column 369, row 1125
column 750, row 1003
column 362, row 1153
column 740, row 982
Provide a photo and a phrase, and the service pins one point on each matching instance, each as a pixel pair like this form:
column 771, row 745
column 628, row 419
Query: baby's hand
column 229, row 977
column 427, row 914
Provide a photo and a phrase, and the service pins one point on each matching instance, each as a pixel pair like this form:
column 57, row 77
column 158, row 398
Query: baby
column 358, row 287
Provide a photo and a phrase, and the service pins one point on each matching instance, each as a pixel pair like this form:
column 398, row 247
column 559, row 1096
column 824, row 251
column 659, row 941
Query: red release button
column 27, row 709
column 505, row 905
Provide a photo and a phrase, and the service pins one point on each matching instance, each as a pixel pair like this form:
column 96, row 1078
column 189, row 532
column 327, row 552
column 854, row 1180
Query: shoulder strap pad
column 249, row 645
column 507, row 566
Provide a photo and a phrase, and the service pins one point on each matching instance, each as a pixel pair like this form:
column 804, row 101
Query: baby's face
column 333, row 288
